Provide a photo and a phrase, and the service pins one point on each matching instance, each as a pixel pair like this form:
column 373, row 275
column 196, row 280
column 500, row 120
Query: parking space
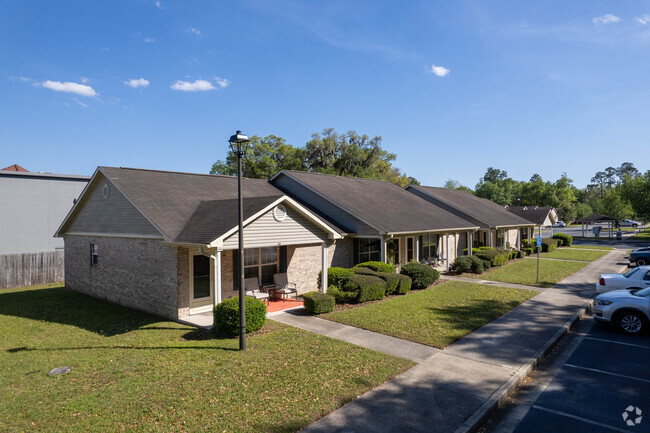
column 602, row 387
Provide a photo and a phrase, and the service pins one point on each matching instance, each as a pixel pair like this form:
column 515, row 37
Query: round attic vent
column 106, row 191
column 279, row 213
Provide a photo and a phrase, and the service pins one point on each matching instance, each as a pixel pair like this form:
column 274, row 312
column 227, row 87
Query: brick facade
column 303, row 266
column 137, row 273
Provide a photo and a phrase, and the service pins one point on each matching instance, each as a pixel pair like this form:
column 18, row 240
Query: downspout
column 214, row 282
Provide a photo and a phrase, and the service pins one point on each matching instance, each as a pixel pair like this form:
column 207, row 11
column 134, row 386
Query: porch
column 206, row 319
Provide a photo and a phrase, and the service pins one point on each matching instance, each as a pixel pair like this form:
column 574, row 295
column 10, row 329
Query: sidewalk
column 454, row 389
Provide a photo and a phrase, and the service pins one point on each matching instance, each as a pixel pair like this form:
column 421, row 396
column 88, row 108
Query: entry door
column 200, row 281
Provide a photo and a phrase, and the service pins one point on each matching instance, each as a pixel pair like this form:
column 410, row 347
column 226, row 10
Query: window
column 392, row 251
column 646, row 277
column 201, row 276
column 94, row 255
column 409, row 249
column 261, row 263
column 369, row 250
column 429, row 246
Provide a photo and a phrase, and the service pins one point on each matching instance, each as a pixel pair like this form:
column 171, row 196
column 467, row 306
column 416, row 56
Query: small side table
column 271, row 290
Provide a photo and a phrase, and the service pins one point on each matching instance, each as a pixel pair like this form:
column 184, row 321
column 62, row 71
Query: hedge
column 405, row 284
column 474, row 251
column 422, row 276
column 486, row 248
column 378, row 266
column 520, row 254
column 392, row 281
column 318, row 302
column 477, row 265
column 549, row 244
column 361, row 270
column 567, row 240
column 487, row 264
column 497, row 257
column 226, row 315
column 462, row 264
column 335, row 276
column 366, row 287
column 340, row 296
column 529, row 251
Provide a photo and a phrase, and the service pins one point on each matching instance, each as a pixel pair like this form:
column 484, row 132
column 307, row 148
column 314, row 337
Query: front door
column 200, row 282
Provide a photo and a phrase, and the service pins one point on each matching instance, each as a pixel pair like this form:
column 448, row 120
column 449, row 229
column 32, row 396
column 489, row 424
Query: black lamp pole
column 239, row 139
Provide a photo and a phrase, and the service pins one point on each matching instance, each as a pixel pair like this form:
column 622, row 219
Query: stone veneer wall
column 511, row 236
column 303, row 266
column 136, row 273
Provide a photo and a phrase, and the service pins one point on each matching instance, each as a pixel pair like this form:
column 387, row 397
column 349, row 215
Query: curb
column 500, row 396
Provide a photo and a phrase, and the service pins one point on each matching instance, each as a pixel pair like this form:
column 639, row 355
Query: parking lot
column 601, row 387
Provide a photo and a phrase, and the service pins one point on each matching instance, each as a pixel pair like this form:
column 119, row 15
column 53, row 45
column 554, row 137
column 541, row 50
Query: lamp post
column 236, row 141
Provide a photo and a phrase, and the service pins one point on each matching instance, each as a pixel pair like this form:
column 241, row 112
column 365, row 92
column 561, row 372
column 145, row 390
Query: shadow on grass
column 56, row 349
column 58, row 305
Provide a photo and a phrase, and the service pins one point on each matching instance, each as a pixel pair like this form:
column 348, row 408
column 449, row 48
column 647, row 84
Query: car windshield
column 643, row 293
column 631, row 272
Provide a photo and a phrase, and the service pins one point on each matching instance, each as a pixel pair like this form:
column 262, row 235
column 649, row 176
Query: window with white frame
column 261, row 263
column 369, row 250
column 429, row 246
column 500, row 238
column 94, row 255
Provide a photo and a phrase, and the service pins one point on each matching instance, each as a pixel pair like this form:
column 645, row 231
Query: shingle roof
column 14, row 167
column 381, row 204
column 188, row 207
column 478, row 208
column 535, row 214
column 594, row 218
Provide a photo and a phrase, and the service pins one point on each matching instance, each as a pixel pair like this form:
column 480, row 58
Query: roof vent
column 279, row 213
column 106, row 191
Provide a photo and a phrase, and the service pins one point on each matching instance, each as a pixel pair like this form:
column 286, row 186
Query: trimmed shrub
column 392, row 281
column 340, row 296
column 477, row 265
column 487, row 264
column 422, row 276
column 461, row 264
column 529, row 251
column 474, row 251
column 497, row 257
column 335, row 276
column 520, row 254
column 485, row 248
column 513, row 254
column 366, row 287
column 361, row 270
column 567, row 240
column 226, row 315
column 548, row 245
column 405, row 283
column 318, row 302
column 378, row 266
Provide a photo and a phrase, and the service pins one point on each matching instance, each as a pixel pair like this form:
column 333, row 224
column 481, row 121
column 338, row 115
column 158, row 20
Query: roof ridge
column 341, row 176
column 182, row 172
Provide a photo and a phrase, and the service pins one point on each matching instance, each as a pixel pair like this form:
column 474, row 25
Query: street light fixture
column 238, row 141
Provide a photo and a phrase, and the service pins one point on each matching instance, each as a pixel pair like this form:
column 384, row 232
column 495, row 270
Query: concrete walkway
column 452, row 390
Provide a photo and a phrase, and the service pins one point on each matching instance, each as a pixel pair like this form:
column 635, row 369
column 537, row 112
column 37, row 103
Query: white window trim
column 259, row 262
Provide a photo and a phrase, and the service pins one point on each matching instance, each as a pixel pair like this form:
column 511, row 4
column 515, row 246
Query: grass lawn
column 642, row 236
column 437, row 316
column 571, row 254
column 525, row 272
column 592, row 247
column 136, row 372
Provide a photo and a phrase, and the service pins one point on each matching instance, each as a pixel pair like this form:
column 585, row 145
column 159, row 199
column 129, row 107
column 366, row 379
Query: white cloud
column 194, row 31
column 135, row 83
column 196, row 86
column 79, row 89
column 81, row 103
column 606, row 19
column 222, row 82
column 440, row 71
column 84, row 80
column 645, row 19
column 149, row 40
column 158, row 5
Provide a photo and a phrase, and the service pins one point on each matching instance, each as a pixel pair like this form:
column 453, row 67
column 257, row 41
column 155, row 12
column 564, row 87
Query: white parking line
column 579, row 418
column 638, row 379
column 617, row 342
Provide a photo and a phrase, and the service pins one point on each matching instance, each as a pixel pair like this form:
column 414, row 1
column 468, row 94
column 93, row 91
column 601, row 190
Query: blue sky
column 452, row 87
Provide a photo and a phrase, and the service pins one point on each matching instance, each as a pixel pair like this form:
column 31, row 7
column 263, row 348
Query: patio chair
column 251, row 285
column 285, row 288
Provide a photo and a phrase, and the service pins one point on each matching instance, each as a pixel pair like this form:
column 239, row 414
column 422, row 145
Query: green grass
column 571, row 254
column 525, row 272
column 642, row 236
column 437, row 316
column 136, row 372
column 592, row 247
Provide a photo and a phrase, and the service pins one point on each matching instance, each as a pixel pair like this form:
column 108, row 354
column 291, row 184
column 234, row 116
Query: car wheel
column 635, row 225
column 631, row 322
column 641, row 262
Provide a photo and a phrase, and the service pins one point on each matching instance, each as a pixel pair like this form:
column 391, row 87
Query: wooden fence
column 31, row 268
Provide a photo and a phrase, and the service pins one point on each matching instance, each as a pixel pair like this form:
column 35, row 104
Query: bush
column 422, row 276
column 567, row 240
column 529, row 251
column 366, row 287
column 487, row 264
column 497, row 257
column 405, row 283
column 474, row 251
column 520, row 254
column 477, row 265
column 378, row 266
column 461, row 264
column 392, row 281
column 335, row 276
column 549, row 244
column 513, row 255
column 226, row 315
column 340, row 296
column 364, row 271
column 485, row 248
column 318, row 302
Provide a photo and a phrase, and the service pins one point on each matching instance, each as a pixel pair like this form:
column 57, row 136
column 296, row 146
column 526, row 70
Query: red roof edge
column 14, row 167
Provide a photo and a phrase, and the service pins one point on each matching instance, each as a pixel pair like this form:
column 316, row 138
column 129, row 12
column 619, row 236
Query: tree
column 454, row 184
column 496, row 186
column 616, row 206
column 637, row 191
column 626, row 169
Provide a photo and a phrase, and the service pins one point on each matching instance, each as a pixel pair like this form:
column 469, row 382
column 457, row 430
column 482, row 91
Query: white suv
column 629, row 310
